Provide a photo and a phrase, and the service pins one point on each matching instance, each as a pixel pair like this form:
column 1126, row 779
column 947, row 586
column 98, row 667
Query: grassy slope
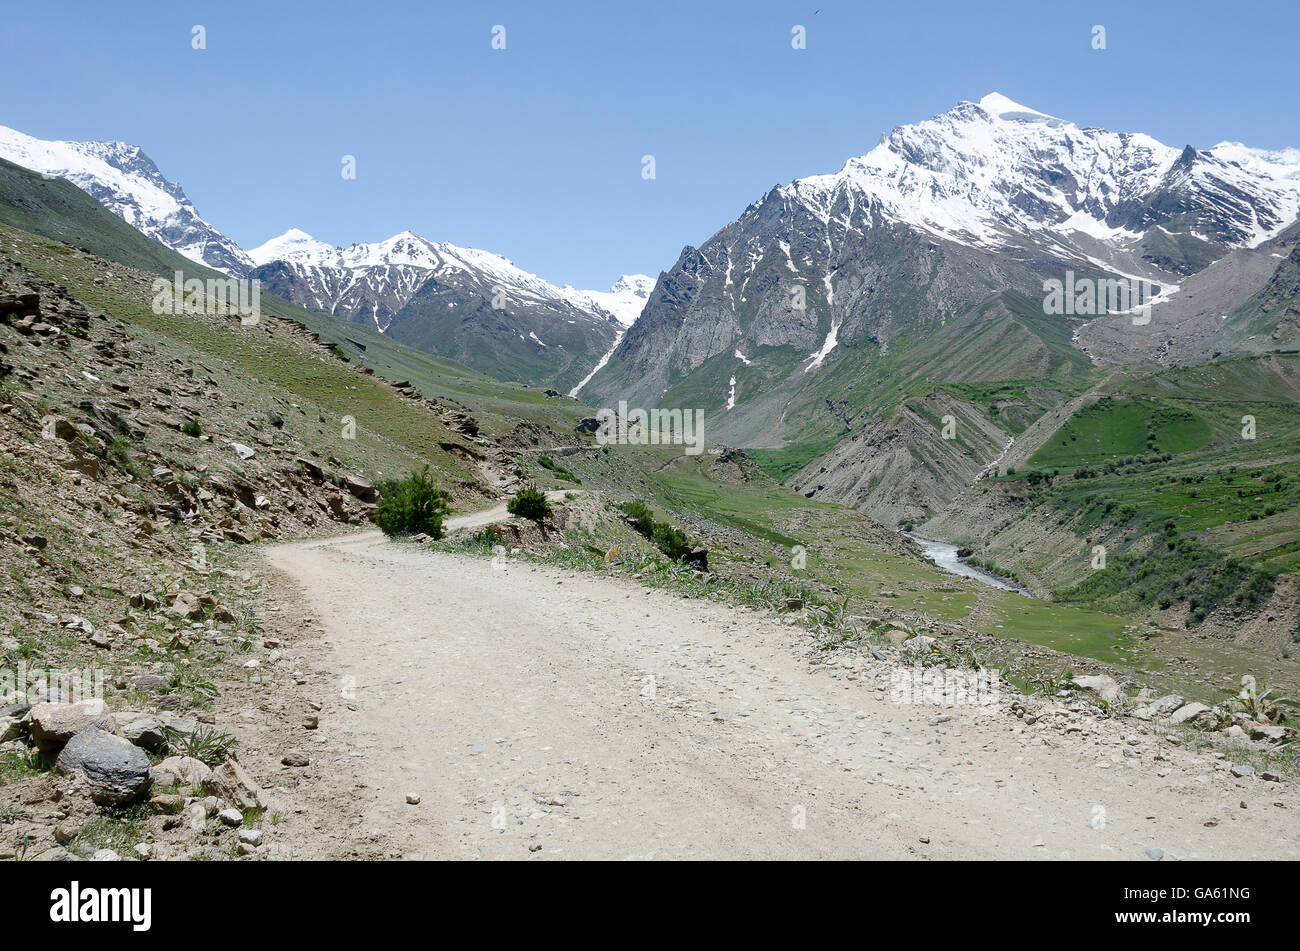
column 1164, row 462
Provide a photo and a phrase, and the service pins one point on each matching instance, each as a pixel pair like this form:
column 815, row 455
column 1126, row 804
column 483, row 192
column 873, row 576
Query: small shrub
column 531, row 504
column 412, row 505
column 643, row 519
column 191, row 427
column 671, row 541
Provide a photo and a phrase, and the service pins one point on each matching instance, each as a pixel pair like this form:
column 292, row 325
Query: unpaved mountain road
column 514, row 701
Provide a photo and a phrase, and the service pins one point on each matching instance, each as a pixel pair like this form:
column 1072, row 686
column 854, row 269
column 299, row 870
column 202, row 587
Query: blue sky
column 535, row 152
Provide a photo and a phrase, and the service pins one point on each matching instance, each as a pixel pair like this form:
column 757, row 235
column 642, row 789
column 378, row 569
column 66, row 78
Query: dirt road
column 546, row 714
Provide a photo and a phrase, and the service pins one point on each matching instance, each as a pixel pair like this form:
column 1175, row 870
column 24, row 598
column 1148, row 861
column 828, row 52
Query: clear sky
column 535, row 151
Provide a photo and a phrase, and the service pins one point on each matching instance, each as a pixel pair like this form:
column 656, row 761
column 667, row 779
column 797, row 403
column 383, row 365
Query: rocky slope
column 141, row 456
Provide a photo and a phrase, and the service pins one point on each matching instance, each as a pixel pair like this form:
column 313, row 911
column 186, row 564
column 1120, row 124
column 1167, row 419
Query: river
column 945, row 556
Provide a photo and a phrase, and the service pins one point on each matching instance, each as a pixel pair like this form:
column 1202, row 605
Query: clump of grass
column 669, row 539
column 204, row 744
column 1264, row 707
column 119, row 453
column 546, row 462
column 15, row 766
column 186, row 680
column 191, row 427
column 120, row 830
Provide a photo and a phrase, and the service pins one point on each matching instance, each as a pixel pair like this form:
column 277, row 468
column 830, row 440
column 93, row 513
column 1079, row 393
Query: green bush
column 643, row 519
column 191, row 427
column 671, row 541
column 411, row 505
column 531, row 504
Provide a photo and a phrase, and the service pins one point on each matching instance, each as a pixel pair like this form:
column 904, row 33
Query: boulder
column 166, row 804
column 186, row 605
column 1271, row 732
column 231, row 783
column 1191, row 713
column 151, row 683
column 145, row 731
column 1102, row 685
column 54, row 724
column 696, row 558
column 183, row 771
column 1157, row 709
column 11, row 727
column 177, row 723
column 362, row 489
column 115, row 771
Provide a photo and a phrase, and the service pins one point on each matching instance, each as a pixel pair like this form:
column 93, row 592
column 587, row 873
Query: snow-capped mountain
column 372, row 282
column 559, row 333
column 127, row 182
column 470, row 305
column 624, row 301
column 989, row 173
column 926, row 233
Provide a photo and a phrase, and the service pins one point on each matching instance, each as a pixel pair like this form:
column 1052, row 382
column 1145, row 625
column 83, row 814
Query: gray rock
column 295, row 758
column 11, row 727
column 231, row 783
column 231, row 817
column 151, row 683
column 145, row 731
column 105, row 855
column 115, row 771
column 251, row 837
column 178, row 724
column 186, row 605
column 1268, row 731
column 1159, row 708
column 1156, row 854
column 1242, row 770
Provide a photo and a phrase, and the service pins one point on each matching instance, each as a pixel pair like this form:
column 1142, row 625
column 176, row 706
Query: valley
column 189, row 501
